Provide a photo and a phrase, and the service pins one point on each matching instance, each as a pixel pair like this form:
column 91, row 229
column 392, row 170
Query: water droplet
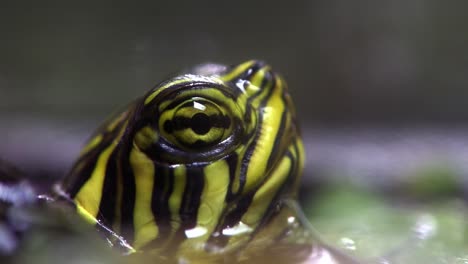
column 240, row 228
column 197, row 231
column 425, row 227
column 348, row 243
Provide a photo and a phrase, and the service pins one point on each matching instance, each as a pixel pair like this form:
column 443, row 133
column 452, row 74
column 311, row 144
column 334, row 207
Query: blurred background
column 380, row 88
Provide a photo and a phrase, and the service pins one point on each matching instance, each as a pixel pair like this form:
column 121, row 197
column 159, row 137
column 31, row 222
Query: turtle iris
column 196, row 122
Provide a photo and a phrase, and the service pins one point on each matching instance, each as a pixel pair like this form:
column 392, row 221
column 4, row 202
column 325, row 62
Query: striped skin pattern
column 199, row 166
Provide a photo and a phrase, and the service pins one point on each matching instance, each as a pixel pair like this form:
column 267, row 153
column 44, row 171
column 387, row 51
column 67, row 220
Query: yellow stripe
column 302, row 155
column 114, row 237
column 263, row 197
column 256, row 82
column 271, row 122
column 113, row 123
column 214, row 193
column 212, row 204
column 229, row 76
column 265, row 194
column 145, row 137
column 145, row 226
column 257, row 79
column 255, row 86
column 85, row 214
column 89, row 196
column 160, row 89
column 92, row 144
column 175, row 200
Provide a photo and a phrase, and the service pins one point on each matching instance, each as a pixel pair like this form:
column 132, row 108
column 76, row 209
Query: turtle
column 203, row 168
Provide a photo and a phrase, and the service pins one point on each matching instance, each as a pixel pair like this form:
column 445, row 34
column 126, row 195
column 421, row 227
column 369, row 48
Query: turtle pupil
column 200, row 123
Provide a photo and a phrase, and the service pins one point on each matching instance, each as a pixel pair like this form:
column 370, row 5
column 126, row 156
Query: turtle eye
column 196, row 123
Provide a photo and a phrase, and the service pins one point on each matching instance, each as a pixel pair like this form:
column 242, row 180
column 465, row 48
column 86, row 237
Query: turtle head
column 198, row 155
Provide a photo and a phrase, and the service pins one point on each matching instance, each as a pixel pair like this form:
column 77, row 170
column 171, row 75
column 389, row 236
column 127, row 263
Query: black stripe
column 106, row 213
column 162, row 189
column 85, row 165
column 80, row 174
column 191, row 197
column 128, row 197
column 197, row 86
column 232, row 162
column 182, row 122
column 268, row 78
column 177, row 90
column 295, row 163
column 190, row 202
column 248, row 114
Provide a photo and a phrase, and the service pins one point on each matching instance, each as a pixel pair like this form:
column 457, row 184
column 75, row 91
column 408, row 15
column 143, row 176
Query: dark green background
column 380, row 87
column 345, row 61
